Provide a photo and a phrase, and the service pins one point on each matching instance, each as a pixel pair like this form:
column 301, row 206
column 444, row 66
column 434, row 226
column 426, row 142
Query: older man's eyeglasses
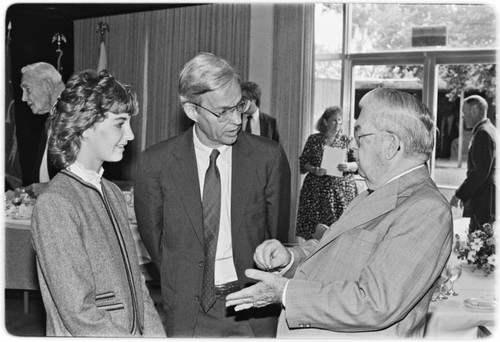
column 357, row 138
column 240, row 108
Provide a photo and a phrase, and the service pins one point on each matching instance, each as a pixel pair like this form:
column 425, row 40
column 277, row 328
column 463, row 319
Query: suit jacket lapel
column 241, row 182
column 263, row 125
column 365, row 208
column 185, row 174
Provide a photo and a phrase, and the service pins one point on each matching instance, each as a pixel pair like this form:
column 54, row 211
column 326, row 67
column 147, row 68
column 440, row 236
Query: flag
column 13, row 175
column 103, row 57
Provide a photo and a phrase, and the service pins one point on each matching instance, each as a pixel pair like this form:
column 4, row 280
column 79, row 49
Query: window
column 389, row 27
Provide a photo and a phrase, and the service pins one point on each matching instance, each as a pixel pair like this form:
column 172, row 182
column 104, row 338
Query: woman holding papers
column 328, row 186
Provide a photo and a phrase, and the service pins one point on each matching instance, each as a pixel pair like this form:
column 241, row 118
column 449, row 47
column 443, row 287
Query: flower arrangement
column 479, row 249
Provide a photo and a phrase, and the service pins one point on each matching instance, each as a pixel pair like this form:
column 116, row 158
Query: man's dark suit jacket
column 268, row 127
column 169, row 214
column 478, row 190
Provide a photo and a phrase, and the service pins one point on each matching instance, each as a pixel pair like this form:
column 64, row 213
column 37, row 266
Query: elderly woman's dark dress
column 323, row 198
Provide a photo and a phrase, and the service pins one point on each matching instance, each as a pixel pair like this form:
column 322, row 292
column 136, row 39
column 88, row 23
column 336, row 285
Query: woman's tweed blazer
column 87, row 264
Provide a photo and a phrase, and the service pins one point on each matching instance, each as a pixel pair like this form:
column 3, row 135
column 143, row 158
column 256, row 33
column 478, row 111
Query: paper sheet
column 332, row 157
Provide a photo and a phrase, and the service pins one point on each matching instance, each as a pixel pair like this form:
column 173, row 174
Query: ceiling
column 75, row 11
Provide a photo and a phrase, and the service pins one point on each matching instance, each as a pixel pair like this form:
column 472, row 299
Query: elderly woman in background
column 87, row 264
column 323, row 198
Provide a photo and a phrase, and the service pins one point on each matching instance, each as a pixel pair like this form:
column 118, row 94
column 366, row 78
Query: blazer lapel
column 241, row 181
column 263, row 125
column 365, row 208
column 185, row 174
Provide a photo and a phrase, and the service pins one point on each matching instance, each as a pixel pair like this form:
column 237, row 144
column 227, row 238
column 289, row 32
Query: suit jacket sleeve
column 278, row 198
column 148, row 207
column 299, row 254
column 399, row 272
column 482, row 156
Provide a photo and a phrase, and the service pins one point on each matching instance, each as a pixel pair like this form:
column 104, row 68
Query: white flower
column 471, row 256
column 476, row 244
column 491, row 259
column 476, row 234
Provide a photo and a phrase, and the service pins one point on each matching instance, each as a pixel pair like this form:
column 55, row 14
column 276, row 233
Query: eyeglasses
column 357, row 138
column 240, row 108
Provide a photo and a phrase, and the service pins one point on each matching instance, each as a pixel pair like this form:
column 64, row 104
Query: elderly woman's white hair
column 404, row 115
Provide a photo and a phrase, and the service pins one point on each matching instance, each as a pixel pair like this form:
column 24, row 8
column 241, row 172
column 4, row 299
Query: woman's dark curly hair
column 87, row 99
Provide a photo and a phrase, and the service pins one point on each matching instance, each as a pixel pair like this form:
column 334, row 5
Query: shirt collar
column 478, row 124
column 89, row 176
column 402, row 174
column 198, row 145
column 255, row 115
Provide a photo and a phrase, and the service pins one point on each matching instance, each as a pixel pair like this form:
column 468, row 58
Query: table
column 20, row 264
column 451, row 318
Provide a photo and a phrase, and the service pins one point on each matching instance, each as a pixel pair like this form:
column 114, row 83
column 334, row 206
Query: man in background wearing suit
column 373, row 272
column 41, row 84
column 477, row 193
column 205, row 200
column 254, row 121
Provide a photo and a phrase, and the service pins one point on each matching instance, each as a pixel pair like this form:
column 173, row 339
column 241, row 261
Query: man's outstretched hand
column 267, row 291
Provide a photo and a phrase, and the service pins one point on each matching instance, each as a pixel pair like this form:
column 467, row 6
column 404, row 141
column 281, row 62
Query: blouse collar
column 87, row 175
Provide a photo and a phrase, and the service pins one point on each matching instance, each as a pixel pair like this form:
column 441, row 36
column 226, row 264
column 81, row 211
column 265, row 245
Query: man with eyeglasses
column 373, row 272
column 205, row 200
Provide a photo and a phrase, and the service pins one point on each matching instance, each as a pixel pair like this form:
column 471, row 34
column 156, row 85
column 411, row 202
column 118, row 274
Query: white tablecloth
column 451, row 318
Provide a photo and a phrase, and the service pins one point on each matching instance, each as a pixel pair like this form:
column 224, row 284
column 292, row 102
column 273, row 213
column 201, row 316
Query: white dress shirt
column 254, row 123
column 44, row 168
column 225, row 271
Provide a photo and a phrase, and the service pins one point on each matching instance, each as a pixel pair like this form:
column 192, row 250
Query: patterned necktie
column 211, row 220
column 248, row 127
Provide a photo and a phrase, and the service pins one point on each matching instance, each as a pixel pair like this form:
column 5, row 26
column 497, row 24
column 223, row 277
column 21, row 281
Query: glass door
column 453, row 137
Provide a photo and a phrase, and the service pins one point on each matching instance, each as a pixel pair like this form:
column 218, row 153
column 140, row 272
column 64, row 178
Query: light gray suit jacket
column 372, row 273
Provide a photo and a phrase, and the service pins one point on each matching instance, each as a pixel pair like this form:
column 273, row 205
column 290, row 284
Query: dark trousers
column 220, row 321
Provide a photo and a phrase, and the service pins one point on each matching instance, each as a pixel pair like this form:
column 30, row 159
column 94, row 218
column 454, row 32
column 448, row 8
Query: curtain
column 292, row 85
column 148, row 50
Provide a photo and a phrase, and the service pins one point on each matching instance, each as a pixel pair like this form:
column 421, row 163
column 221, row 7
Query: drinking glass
column 453, row 272
column 443, row 279
column 17, row 200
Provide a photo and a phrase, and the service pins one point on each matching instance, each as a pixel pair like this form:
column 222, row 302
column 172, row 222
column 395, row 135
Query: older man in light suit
column 373, row 272
column 202, row 241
